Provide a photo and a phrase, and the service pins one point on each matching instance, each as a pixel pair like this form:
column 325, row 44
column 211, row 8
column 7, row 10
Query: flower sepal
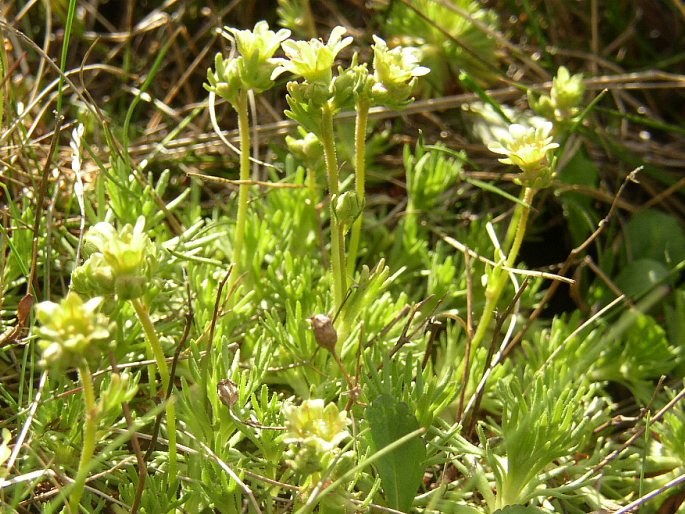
column 225, row 79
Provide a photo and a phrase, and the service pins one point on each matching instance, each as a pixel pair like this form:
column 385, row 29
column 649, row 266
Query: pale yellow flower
column 526, row 147
column 72, row 331
column 312, row 60
column 529, row 148
column 326, row 425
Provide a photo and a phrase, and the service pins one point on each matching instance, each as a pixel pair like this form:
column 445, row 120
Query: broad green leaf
column 579, row 212
column 653, row 234
column 640, row 275
column 401, row 470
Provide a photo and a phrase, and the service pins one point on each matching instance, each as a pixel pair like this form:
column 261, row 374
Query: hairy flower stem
column 89, row 432
column 512, row 230
column 151, row 335
column 337, row 235
column 498, row 277
column 243, row 192
column 362, row 109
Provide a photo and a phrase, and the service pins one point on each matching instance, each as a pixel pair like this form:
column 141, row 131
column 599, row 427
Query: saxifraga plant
column 234, row 79
column 73, row 334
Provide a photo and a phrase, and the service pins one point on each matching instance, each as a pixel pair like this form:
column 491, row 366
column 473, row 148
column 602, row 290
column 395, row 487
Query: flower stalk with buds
column 394, row 76
column 234, row 80
column 72, row 334
column 122, row 263
column 313, row 103
column 530, row 149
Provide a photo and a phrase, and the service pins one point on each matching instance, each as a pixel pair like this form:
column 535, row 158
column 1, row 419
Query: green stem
column 68, row 27
column 151, row 335
column 360, row 178
column 3, row 72
column 243, row 192
column 89, row 432
column 337, row 235
column 513, row 225
column 498, row 276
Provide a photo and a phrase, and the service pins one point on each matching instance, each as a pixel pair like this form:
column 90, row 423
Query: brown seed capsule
column 227, row 390
column 324, row 332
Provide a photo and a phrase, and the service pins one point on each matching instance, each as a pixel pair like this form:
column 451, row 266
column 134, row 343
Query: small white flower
column 395, row 72
column 314, row 421
column 312, row 60
column 396, row 66
column 260, row 43
column 526, row 147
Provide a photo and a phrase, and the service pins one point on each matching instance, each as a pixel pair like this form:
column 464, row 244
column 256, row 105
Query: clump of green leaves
column 543, row 422
column 448, row 39
column 234, row 79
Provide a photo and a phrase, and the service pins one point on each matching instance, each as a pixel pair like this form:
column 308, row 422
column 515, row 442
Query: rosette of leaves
column 119, row 262
column 672, row 431
column 635, row 352
column 72, row 332
column 447, row 40
column 542, row 423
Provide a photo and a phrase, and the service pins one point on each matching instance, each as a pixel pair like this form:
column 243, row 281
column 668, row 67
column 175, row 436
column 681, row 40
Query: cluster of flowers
column 530, row 146
column 255, row 68
column 119, row 263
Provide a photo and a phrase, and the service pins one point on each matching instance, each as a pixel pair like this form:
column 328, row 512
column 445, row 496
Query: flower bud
column 564, row 100
column 94, row 277
column 225, row 79
column 348, row 207
column 324, row 331
column 121, row 388
column 567, row 92
column 227, row 390
column 308, row 149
